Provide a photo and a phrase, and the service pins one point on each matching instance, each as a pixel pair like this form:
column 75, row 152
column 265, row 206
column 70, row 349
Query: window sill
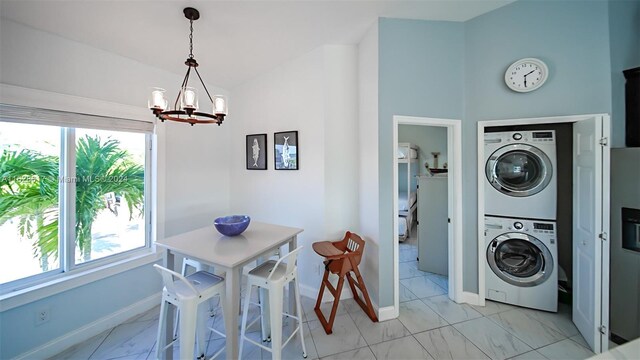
column 34, row 293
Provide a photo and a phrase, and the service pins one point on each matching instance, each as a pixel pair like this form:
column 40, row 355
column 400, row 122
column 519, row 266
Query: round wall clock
column 526, row 75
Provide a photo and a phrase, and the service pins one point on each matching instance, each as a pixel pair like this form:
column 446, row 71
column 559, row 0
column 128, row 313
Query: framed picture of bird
column 257, row 152
column 286, row 150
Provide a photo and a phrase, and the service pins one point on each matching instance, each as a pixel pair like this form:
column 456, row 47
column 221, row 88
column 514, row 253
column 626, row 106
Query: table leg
column 169, row 263
column 293, row 244
column 232, row 280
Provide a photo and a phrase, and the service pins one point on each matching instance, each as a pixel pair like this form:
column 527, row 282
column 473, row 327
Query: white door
column 590, row 229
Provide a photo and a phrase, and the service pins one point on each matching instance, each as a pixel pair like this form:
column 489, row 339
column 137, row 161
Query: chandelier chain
column 191, row 38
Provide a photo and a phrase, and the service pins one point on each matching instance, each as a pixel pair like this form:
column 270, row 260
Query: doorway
column 453, row 217
column 590, row 219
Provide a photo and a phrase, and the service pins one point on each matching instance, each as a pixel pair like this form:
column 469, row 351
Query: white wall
column 193, row 169
column 313, row 94
column 368, row 152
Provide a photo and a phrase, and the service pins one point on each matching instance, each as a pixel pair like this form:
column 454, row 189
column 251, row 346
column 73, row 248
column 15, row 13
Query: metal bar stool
column 342, row 258
column 188, row 294
column 274, row 276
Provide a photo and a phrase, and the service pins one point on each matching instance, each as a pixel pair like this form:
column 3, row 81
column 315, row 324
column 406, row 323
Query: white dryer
column 520, row 171
column 521, row 262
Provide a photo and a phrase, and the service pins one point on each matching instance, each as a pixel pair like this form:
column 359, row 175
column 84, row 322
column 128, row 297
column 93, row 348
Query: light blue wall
column 421, row 68
column 624, row 37
column 572, row 37
column 73, row 309
column 456, row 70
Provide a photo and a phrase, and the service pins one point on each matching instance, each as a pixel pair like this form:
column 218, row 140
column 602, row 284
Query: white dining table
column 228, row 254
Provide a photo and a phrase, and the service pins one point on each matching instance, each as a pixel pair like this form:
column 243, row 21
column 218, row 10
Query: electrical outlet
column 43, row 315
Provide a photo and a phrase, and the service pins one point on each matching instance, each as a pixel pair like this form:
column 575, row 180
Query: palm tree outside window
column 107, row 188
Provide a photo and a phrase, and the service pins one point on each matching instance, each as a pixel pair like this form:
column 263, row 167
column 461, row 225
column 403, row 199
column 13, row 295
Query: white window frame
column 68, row 276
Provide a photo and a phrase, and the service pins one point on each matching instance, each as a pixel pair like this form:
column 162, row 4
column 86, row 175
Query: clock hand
column 525, row 77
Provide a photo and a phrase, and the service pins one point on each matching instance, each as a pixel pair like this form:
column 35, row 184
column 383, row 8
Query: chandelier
column 188, row 112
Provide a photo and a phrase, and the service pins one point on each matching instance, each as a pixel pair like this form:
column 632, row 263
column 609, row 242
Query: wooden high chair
column 342, row 258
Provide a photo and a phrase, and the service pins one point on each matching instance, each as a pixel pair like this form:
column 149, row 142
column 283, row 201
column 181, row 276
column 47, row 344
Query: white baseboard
column 90, row 330
column 387, row 313
column 312, row 292
column 471, row 298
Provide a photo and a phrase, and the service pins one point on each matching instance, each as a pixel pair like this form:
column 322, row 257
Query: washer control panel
column 538, row 136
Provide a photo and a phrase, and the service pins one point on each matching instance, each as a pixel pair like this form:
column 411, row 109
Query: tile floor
column 430, row 326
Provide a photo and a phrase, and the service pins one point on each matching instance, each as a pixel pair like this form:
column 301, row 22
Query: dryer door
column 519, row 170
column 520, row 259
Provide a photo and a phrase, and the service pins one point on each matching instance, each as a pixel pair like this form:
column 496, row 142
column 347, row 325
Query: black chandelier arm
column 203, row 85
column 185, row 81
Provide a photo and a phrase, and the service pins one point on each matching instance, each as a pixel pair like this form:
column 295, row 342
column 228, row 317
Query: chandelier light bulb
column 219, row 105
column 189, row 99
column 157, row 99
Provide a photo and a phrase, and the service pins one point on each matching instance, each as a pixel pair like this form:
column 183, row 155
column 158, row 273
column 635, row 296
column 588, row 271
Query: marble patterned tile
column 449, row 310
column 249, row 351
column 422, row 287
column 493, row 307
column 533, row 333
column 409, row 269
column 141, row 356
column 403, row 348
column 82, row 350
column 492, row 339
column 345, row 336
column 309, row 314
column 417, row 317
column 377, row 332
column 407, row 253
column 448, row 343
column 580, row 340
column 406, row 294
column 128, row 340
column 351, row 306
column 531, row 355
column 565, row 350
column 440, row 280
column 556, row 321
column 293, row 350
column 357, row 354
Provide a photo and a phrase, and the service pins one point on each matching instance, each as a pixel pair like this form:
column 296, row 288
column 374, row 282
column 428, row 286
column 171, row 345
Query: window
column 71, row 197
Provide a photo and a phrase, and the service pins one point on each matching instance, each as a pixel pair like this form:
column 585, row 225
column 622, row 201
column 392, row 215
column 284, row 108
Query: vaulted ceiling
column 233, row 40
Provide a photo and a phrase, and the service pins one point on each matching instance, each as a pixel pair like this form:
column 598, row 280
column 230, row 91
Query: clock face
column 526, row 75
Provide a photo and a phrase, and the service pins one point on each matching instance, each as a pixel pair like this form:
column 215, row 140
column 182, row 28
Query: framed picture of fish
column 257, row 152
column 286, row 150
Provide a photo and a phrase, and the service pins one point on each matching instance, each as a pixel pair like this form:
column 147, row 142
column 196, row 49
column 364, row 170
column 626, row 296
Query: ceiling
column 234, row 41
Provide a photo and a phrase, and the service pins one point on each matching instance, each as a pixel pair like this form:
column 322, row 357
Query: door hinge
column 417, row 222
column 449, row 220
column 604, row 141
column 603, row 236
column 602, row 329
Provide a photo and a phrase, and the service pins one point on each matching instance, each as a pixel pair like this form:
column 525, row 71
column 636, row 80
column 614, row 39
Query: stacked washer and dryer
column 520, row 218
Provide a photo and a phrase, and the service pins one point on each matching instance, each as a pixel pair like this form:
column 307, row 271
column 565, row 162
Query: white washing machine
column 521, row 262
column 520, row 169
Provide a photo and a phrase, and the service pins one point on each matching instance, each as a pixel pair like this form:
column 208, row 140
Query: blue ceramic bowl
column 232, row 225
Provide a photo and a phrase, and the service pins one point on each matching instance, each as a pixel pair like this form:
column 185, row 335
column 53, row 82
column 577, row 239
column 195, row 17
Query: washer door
column 520, row 259
column 519, row 170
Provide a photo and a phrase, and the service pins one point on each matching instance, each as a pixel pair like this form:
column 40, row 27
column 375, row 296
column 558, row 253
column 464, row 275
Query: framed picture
column 286, row 150
column 257, row 152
